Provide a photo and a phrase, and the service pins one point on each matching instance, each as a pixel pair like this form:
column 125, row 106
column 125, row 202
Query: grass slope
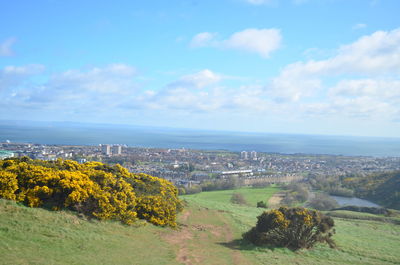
column 38, row 236
column 359, row 241
column 209, row 232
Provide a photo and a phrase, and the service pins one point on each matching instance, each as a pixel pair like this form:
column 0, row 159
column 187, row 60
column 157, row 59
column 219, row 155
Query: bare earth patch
column 275, row 200
column 201, row 237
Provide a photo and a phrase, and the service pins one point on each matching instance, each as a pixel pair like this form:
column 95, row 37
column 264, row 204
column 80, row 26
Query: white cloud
column 358, row 83
column 359, row 26
column 259, row 41
column 388, row 90
column 114, row 78
column 373, row 55
column 30, row 69
column 97, row 89
column 203, row 39
column 6, row 47
column 200, row 79
column 11, row 77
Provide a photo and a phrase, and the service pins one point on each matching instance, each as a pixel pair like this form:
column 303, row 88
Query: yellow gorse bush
column 94, row 189
column 293, row 228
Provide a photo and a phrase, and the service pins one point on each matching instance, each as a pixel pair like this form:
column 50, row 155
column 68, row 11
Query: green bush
column 293, row 228
column 261, row 204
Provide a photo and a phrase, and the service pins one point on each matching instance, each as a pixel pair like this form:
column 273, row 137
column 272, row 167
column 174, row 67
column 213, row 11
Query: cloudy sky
column 288, row 66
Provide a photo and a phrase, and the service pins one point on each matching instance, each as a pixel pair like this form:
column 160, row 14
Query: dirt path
column 275, row 200
column 204, row 237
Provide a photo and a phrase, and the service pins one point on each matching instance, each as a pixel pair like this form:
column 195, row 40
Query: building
column 116, row 149
column 106, row 149
column 253, row 155
column 244, row 155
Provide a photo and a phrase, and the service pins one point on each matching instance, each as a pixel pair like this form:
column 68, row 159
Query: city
column 185, row 166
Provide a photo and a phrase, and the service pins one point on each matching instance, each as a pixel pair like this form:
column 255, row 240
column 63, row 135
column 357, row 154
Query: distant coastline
column 154, row 137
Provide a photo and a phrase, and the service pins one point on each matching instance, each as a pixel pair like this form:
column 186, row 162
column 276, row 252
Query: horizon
column 257, row 66
column 60, row 133
column 138, row 126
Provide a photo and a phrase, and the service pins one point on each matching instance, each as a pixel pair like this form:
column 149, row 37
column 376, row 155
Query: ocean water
column 93, row 134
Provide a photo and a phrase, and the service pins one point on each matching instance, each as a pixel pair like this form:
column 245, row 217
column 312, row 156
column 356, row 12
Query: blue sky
column 289, row 66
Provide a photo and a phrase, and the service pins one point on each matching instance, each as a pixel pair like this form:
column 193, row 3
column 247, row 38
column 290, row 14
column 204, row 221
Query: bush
column 293, row 228
column 93, row 189
column 238, row 198
column 323, row 202
column 261, row 204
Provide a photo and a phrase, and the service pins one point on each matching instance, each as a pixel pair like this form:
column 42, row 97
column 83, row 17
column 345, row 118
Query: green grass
column 210, row 233
column 38, row 236
column 252, row 195
column 359, row 241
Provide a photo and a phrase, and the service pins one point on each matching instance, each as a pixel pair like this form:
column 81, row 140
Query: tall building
column 106, row 149
column 244, row 155
column 253, row 155
column 116, row 150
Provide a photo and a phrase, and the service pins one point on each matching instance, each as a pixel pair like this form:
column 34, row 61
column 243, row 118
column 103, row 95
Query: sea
column 64, row 133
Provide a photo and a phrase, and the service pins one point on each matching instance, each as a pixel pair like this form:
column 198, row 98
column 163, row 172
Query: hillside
column 382, row 188
column 209, row 232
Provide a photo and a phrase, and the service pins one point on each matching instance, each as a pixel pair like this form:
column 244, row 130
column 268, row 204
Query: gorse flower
column 94, row 189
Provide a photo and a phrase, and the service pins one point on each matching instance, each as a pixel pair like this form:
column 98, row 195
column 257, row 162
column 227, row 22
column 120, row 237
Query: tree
column 238, row 198
column 323, row 202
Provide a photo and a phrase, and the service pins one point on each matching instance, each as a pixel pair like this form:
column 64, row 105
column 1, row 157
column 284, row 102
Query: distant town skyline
column 327, row 67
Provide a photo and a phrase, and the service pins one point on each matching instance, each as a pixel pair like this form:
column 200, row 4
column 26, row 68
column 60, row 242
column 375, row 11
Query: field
column 209, row 232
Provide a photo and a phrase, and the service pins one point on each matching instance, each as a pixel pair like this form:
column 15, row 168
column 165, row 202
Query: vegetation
column 331, row 185
column 382, row 188
column 358, row 241
column 38, row 236
column 238, row 198
column 261, row 204
column 229, row 183
column 93, row 189
column 322, row 202
column 210, row 229
column 362, row 209
column 295, row 193
column 293, row 228
column 258, row 185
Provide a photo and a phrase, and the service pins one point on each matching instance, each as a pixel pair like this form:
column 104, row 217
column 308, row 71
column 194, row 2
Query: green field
column 209, row 233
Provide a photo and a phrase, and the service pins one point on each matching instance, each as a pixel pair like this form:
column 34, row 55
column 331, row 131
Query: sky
column 276, row 66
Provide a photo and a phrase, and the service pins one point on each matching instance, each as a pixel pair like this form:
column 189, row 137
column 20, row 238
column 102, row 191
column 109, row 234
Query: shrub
column 261, row 204
column 323, row 202
column 293, row 228
column 93, row 189
column 238, row 198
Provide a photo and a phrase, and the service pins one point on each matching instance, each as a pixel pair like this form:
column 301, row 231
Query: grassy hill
column 209, row 232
